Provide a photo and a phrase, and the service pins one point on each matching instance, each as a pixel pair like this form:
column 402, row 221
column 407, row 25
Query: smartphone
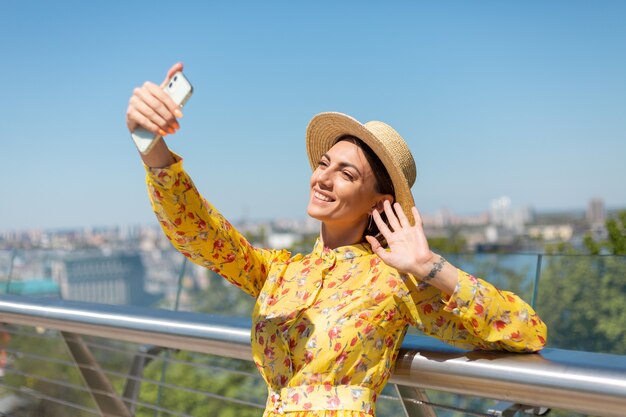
column 179, row 89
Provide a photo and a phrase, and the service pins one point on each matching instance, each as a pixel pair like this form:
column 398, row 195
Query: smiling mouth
column 322, row 197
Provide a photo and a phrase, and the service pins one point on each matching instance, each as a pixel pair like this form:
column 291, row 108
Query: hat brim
column 326, row 128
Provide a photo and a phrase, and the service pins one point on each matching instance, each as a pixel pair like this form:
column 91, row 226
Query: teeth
column 321, row 197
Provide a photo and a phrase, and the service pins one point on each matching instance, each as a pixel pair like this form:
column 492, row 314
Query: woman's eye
column 348, row 176
column 322, row 163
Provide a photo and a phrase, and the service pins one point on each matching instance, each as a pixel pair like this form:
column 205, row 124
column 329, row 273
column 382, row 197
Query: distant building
column 596, row 213
column 552, row 232
column 109, row 279
column 500, row 212
column 499, row 235
column 281, row 240
column 34, row 287
column 503, row 214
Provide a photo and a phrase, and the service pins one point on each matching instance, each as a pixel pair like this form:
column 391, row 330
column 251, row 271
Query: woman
column 327, row 326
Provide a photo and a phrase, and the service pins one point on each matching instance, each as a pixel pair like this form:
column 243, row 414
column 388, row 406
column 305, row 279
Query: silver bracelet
column 436, row 268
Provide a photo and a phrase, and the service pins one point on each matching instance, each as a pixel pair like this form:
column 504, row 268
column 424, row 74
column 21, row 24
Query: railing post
column 509, row 409
column 107, row 400
column 133, row 383
column 10, row 272
column 533, row 301
column 414, row 402
column 166, row 355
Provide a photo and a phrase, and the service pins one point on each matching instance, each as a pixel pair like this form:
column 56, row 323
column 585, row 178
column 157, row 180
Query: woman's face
column 343, row 187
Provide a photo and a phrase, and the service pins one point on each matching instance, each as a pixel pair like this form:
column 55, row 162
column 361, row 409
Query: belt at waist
column 322, row 397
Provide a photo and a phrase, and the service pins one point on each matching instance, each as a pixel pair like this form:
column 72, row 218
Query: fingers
column 160, row 106
column 376, row 247
column 404, row 221
column 164, row 102
column 173, row 70
column 152, row 108
column 382, row 227
column 134, row 119
column 374, row 243
column 391, row 216
column 395, row 216
column 418, row 219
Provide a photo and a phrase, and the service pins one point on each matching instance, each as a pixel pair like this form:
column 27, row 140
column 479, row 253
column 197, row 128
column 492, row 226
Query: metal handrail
column 585, row 382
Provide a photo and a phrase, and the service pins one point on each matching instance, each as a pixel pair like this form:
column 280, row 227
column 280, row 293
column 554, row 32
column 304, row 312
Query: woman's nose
column 324, row 178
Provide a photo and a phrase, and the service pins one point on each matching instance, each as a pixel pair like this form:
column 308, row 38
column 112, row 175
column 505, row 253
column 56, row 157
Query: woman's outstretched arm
column 193, row 225
column 200, row 232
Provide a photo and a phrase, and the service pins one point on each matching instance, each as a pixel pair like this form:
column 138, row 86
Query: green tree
column 453, row 243
column 582, row 300
column 42, row 363
column 221, row 297
column 206, row 374
column 616, row 237
column 582, row 295
column 210, row 374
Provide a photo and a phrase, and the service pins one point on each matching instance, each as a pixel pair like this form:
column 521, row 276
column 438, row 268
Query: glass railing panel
column 512, row 272
column 140, row 271
column 213, row 294
column 582, row 299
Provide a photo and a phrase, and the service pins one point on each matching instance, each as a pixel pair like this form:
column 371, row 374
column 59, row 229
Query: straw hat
column 326, row 128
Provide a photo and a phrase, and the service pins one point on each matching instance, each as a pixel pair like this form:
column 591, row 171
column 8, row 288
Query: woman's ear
column 381, row 199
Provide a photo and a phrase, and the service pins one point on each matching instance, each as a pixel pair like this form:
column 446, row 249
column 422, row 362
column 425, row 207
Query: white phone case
column 180, row 89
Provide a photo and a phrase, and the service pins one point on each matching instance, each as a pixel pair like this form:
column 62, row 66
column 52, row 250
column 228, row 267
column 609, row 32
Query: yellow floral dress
column 327, row 326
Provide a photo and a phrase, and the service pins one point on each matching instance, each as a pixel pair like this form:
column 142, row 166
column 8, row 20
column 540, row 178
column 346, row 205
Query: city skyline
column 491, row 215
column 523, row 100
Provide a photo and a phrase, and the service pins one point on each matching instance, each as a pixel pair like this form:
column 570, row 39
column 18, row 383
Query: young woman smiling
column 327, row 326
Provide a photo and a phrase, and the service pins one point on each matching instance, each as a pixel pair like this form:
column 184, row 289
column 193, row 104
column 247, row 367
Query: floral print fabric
column 327, row 326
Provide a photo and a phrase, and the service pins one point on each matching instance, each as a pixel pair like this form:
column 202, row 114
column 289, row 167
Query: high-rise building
column 500, row 212
column 596, row 213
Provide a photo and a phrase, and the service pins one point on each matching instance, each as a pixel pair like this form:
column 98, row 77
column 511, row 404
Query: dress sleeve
column 202, row 234
column 476, row 316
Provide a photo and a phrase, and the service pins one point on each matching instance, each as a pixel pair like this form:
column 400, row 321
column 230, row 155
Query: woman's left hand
column 408, row 248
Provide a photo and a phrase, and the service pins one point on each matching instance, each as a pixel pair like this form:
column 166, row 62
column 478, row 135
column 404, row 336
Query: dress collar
column 342, row 252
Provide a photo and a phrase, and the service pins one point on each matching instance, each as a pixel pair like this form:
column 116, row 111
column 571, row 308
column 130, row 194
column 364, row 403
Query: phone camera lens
column 170, row 85
column 175, row 77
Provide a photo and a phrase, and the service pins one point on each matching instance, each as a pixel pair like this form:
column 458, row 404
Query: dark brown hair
column 383, row 183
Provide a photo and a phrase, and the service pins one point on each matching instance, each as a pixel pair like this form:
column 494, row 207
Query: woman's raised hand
column 152, row 108
column 408, row 248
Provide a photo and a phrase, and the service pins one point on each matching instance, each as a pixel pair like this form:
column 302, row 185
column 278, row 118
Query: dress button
column 318, row 284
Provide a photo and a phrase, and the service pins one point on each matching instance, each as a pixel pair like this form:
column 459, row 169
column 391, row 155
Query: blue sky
column 525, row 99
